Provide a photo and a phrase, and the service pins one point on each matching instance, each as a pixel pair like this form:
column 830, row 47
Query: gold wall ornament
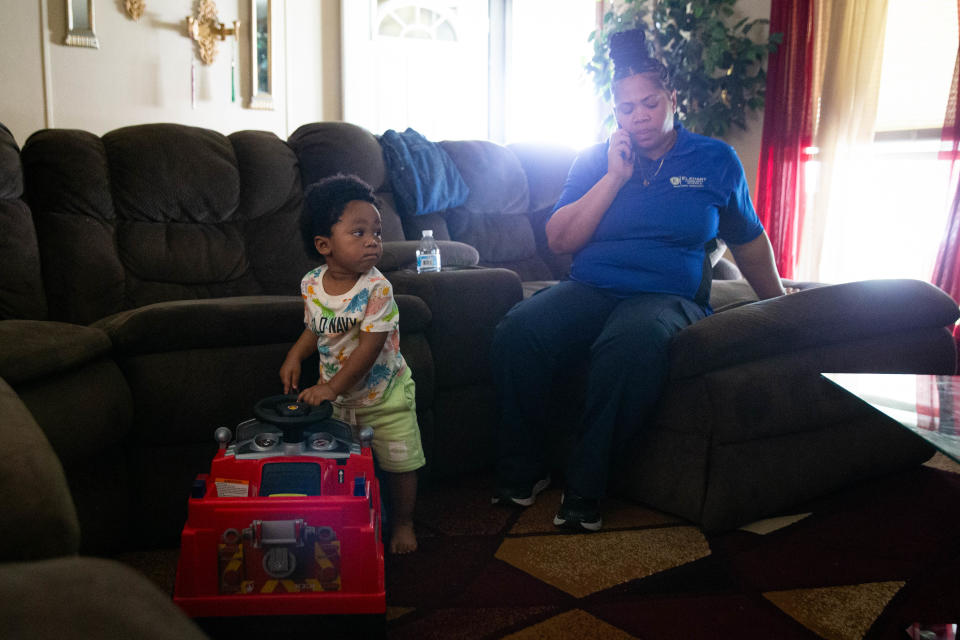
column 205, row 29
column 134, row 8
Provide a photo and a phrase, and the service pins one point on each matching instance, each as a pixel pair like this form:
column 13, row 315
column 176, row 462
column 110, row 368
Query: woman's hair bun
column 628, row 46
column 631, row 53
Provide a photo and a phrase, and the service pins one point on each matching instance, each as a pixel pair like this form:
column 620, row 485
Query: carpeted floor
column 868, row 562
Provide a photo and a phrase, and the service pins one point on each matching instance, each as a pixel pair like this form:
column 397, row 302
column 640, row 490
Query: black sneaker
column 579, row 513
column 520, row 496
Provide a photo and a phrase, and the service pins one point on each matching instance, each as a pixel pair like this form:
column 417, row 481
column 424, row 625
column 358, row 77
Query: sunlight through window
column 549, row 97
column 431, row 65
column 894, row 208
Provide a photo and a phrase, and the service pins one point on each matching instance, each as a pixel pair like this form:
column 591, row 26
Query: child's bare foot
column 404, row 540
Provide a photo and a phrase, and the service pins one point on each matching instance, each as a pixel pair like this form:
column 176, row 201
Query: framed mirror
column 261, row 58
column 80, row 24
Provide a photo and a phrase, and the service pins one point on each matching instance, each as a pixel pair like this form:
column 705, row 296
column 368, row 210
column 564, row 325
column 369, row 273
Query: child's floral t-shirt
column 338, row 321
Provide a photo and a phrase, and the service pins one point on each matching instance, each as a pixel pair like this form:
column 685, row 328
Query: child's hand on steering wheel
column 316, row 394
column 290, row 375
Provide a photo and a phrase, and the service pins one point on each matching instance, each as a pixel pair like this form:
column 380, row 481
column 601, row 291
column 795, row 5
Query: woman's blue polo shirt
column 654, row 238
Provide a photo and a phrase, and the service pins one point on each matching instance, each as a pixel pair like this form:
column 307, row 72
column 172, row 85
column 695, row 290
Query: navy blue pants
column 624, row 341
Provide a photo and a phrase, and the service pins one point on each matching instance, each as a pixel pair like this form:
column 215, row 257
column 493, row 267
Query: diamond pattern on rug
column 744, row 616
column 942, row 462
column 837, row 613
column 763, row 527
column 582, row 564
column 398, row 612
column 572, row 625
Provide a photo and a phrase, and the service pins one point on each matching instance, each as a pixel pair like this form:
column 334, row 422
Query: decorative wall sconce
column 205, row 28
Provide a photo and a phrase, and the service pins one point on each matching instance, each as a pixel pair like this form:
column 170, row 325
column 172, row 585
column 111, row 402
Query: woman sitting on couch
column 638, row 213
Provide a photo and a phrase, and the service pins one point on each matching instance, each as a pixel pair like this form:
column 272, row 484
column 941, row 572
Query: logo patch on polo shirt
column 683, row 182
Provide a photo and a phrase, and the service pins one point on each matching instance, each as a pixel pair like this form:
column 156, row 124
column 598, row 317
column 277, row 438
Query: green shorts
column 396, row 434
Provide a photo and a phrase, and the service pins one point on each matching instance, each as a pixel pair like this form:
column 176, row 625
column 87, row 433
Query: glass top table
column 927, row 405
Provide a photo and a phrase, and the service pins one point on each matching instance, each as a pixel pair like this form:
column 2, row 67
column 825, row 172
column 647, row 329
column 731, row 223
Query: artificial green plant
column 716, row 67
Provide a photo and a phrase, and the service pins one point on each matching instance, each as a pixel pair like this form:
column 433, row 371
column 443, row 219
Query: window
column 504, row 70
column 420, row 64
column 548, row 96
column 892, row 218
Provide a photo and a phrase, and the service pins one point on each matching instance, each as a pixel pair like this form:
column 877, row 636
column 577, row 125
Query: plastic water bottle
column 428, row 255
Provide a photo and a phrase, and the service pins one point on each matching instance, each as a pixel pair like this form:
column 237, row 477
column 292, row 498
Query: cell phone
column 627, row 157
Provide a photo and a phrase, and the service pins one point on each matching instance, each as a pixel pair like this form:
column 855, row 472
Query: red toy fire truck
column 287, row 522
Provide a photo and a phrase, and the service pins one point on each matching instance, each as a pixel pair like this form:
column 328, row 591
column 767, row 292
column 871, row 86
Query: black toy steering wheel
column 290, row 415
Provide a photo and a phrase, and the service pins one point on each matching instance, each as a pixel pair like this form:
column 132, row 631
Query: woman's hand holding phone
column 620, row 155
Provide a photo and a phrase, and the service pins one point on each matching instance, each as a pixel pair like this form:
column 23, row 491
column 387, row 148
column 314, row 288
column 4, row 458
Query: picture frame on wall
column 261, row 54
column 80, row 31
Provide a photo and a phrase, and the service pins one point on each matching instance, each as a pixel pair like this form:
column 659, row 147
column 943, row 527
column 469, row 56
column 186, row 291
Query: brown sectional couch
column 148, row 295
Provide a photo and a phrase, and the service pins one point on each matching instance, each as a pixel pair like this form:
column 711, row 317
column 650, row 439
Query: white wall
column 141, row 72
column 21, row 69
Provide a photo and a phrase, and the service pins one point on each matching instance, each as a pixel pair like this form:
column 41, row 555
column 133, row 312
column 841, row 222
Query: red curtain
column 787, row 130
column 946, row 273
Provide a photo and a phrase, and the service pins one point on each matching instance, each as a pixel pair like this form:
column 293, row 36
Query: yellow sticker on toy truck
column 227, row 488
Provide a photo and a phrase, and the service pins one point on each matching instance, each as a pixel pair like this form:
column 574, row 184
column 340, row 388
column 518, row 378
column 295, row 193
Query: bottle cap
column 427, row 232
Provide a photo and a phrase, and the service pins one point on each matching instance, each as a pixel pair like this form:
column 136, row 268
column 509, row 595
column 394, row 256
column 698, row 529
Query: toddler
column 352, row 321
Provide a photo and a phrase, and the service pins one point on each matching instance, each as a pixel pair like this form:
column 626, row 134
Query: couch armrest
column 812, row 317
column 89, row 599
column 465, row 307
column 207, row 323
column 402, row 254
column 32, row 349
column 38, row 516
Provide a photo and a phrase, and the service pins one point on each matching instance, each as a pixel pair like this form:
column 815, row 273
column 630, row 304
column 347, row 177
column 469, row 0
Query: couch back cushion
column 160, row 212
column 328, row 148
column 492, row 217
column 21, row 284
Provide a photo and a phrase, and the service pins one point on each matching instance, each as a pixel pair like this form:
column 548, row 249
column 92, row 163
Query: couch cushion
column 728, row 294
column 11, row 175
column 172, row 173
column 33, row 349
column 271, row 203
column 497, row 238
column 491, row 218
column 84, row 598
column 65, row 171
column 494, row 175
column 327, row 148
column 205, row 252
column 546, row 168
column 414, row 314
column 39, row 519
column 270, row 175
column 21, row 285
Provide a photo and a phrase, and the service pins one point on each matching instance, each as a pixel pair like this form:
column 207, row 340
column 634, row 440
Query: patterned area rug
column 873, row 562
column 870, row 562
